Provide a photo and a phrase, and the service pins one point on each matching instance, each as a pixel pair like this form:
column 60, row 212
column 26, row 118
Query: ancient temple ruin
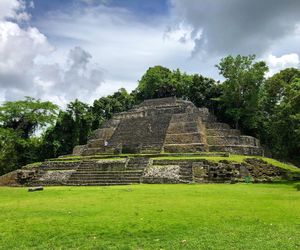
column 167, row 125
column 147, row 145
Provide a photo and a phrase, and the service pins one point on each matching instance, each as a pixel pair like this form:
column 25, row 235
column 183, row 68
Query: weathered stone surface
column 79, row 149
column 155, row 126
column 25, row 176
column 261, row 171
column 167, row 125
column 144, row 170
column 55, row 176
column 162, row 174
column 9, row 179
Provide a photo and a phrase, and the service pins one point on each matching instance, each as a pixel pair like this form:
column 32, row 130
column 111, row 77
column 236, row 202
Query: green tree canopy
column 27, row 115
column 160, row 82
column 280, row 108
column 18, row 122
column 241, row 88
column 105, row 107
column 202, row 91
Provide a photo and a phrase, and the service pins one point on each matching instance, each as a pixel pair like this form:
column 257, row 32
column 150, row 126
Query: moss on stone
column 234, row 158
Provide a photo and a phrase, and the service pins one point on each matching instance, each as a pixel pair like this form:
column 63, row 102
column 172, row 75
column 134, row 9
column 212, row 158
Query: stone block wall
column 142, row 132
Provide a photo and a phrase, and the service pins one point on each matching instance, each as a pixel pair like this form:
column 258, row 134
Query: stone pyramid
column 169, row 125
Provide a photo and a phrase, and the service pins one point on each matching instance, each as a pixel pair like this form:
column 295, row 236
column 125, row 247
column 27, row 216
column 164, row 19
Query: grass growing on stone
column 32, row 165
column 235, row 158
column 213, row 216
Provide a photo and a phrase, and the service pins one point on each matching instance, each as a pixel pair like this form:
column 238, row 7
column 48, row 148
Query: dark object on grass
column 33, row 189
column 297, row 186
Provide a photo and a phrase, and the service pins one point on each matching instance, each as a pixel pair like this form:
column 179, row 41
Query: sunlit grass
column 211, row 216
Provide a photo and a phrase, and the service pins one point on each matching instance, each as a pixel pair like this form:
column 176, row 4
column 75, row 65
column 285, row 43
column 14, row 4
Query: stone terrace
column 167, row 125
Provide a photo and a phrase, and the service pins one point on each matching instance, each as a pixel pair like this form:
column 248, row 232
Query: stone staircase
column 221, row 138
column 54, row 173
column 141, row 134
column 109, row 173
column 97, row 140
column 183, row 134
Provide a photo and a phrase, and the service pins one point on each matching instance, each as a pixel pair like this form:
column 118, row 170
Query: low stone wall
column 56, row 177
column 162, row 174
column 261, row 171
column 9, row 179
column 145, row 170
column 204, row 171
column 60, row 165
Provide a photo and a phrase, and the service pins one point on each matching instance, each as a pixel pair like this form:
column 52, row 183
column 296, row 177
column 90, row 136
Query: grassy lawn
column 211, row 216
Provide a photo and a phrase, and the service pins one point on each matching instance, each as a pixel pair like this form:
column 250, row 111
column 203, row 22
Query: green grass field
column 208, row 216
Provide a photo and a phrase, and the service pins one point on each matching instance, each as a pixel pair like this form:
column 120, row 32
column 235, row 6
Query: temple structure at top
column 168, row 125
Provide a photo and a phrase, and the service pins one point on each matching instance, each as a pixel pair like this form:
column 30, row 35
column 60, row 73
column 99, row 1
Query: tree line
column 267, row 108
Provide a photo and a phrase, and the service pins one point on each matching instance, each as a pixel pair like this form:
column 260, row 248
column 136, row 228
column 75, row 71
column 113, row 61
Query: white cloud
column 13, row 9
column 93, row 51
column 26, row 70
column 78, row 77
column 125, row 46
column 279, row 63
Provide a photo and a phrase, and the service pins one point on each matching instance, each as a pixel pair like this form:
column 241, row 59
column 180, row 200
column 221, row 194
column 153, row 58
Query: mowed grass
column 208, row 216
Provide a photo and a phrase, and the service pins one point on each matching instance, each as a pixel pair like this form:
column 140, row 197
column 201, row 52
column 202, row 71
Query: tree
column 60, row 138
column 28, row 115
column 241, row 88
column 72, row 128
column 18, row 122
column 280, row 119
column 105, row 107
column 8, row 146
column 159, row 82
column 82, row 117
column 275, row 87
column 202, row 90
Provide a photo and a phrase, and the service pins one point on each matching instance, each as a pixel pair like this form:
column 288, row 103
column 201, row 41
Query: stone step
column 137, row 164
column 183, row 118
column 98, row 184
column 103, row 168
column 182, row 127
column 189, row 147
column 216, row 125
column 102, row 133
column 130, row 168
column 223, row 132
column 109, row 172
column 138, row 160
column 105, row 179
column 237, row 149
column 104, row 176
column 206, row 116
column 95, row 143
column 183, row 138
column 101, row 181
column 56, row 169
column 233, row 140
column 101, row 150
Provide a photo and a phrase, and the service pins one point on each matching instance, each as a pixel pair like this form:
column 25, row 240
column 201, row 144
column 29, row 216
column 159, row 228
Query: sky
column 60, row 50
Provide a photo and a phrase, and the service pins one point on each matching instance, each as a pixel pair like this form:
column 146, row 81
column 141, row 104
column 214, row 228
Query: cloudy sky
column 60, row 50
